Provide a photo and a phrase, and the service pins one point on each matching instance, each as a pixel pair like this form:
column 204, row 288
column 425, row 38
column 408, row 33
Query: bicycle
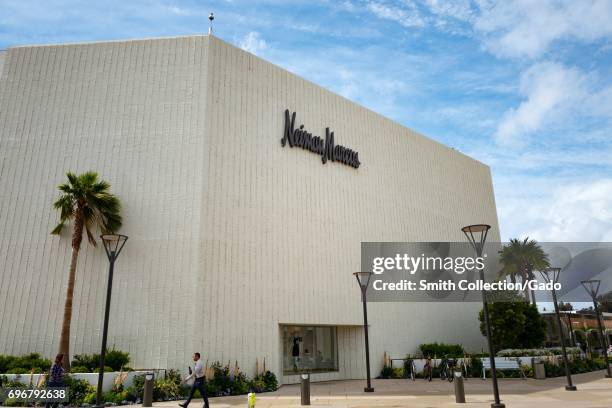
column 463, row 368
column 446, row 369
column 410, row 369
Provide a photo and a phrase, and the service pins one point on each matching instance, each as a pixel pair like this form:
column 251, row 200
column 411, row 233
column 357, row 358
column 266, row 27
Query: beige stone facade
column 231, row 234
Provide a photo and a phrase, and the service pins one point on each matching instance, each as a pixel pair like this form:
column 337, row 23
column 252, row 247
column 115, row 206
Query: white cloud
column 178, row 10
column 253, row 43
column 577, row 211
column 407, row 16
column 458, row 9
column 527, row 28
column 550, row 90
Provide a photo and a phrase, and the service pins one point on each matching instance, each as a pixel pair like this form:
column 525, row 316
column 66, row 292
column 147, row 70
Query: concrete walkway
column 594, row 391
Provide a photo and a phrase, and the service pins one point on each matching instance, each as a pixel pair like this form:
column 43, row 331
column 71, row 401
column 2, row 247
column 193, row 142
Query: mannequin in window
column 295, row 352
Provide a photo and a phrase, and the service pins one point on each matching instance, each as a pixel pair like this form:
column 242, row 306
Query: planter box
column 91, row 378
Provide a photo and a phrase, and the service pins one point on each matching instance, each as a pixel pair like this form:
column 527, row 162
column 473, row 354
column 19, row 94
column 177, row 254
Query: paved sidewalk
column 594, row 391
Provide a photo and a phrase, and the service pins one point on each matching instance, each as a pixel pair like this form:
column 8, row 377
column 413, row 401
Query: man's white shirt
column 198, row 372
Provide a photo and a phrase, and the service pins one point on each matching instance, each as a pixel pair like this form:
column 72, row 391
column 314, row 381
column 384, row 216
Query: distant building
column 583, row 324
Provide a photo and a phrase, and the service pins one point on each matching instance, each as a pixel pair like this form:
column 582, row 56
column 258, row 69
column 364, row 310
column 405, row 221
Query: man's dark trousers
column 198, row 384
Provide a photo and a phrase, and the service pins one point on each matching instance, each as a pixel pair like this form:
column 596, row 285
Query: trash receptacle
column 305, row 388
column 459, row 388
column 539, row 373
column 147, row 397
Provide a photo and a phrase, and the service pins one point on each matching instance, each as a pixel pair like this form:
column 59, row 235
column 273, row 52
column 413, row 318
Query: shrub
column 18, row 370
column 116, row 359
column 79, row 369
column 5, row 382
column 270, row 381
column 6, row 362
column 174, row 375
column 107, row 369
column 165, row 389
column 12, row 402
column 265, row 382
column 137, row 387
column 23, row 364
column 527, row 370
column 240, row 385
column 475, row 367
column 116, row 397
column 576, row 366
column 440, row 350
column 89, row 361
column 398, row 372
column 221, row 382
column 78, row 389
column 550, row 351
column 11, row 383
column 387, row 372
column 90, row 398
column 258, row 384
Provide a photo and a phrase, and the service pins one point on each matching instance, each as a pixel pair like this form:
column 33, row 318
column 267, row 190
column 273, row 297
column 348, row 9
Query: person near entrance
column 199, row 383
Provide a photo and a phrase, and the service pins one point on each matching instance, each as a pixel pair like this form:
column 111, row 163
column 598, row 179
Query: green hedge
column 576, row 367
column 24, row 364
column 82, row 363
column 439, row 350
column 116, row 360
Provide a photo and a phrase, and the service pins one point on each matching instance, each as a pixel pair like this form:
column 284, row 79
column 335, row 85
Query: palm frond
column 58, row 229
column 72, row 179
column 90, row 237
column 88, row 179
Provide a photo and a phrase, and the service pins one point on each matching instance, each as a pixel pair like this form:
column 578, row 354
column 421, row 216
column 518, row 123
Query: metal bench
column 502, row 365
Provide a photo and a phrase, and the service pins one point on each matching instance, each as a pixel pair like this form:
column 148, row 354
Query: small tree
column 514, row 324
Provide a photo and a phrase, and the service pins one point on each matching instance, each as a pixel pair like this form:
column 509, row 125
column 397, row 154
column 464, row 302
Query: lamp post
column 363, row 279
column 113, row 244
column 592, row 288
column 551, row 275
column 477, row 236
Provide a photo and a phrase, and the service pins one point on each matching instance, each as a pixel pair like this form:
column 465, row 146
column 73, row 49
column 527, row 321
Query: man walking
column 198, row 383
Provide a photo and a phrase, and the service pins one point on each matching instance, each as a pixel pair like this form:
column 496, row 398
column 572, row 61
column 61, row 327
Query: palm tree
column 522, row 258
column 87, row 202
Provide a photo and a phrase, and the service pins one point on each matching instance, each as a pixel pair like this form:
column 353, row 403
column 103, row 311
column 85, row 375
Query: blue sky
column 524, row 86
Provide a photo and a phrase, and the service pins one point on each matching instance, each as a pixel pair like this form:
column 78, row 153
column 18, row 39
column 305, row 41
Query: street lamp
column 363, row 279
column 551, row 275
column 113, row 244
column 477, row 236
column 592, row 288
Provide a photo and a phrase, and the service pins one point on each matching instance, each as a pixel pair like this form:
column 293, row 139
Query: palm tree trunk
column 531, row 277
column 77, row 237
column 525, row 278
